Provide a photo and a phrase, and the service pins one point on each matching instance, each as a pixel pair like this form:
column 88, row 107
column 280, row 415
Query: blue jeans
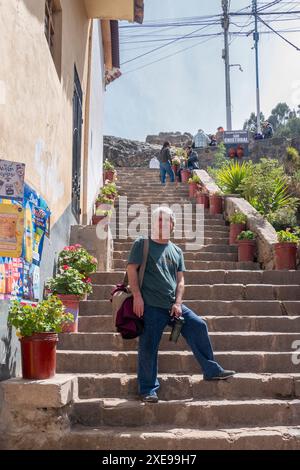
column 164, row 169
column 195, row 333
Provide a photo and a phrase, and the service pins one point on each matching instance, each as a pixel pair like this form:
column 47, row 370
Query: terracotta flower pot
column 203, row 198
column 240, row 152
column 185, row 175
column 215, row 204
column 109, row 175
column 71, row 304
column 246, row 250
column 97, row 218
column 38, row 354
column 235, row 230
column 285, row 255
column 192, row 190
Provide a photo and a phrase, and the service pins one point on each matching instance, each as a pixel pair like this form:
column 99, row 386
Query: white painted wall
column 95, row 160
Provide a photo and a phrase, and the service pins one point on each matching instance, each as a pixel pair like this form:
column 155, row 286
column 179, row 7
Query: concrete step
column 217, row 254
column 253, row 308
column 126, row 245
column 228, row 341
column 222, row 292
column 104, row 323
column 169, row 438
column 216, row 276
column 186, row 387
column 180, row 362
column 186, row 222
column 198, row 414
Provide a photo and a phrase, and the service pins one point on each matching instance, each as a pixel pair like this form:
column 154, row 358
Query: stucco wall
column 95, row 151
column 36, row 117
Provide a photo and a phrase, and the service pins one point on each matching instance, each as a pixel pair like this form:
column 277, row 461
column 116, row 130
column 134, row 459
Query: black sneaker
column 149, row 398
column 222, row 376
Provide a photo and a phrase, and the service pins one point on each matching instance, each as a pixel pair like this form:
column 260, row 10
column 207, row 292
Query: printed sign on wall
column 11, row 230
column 12, row 180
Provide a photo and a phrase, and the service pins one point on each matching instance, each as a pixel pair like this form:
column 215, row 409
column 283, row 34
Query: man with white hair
column 159, row 300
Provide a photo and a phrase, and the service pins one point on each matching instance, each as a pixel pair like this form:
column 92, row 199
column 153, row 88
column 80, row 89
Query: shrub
column 46, row 316
column 246, row 235
column 285, row 236
column 283, row 218
column 231, row 176
column 238, row 218
column 292, row 155
column 195, row 179
column 266, row 187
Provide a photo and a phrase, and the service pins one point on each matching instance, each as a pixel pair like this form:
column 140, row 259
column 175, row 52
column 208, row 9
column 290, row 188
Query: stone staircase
column 253, row 317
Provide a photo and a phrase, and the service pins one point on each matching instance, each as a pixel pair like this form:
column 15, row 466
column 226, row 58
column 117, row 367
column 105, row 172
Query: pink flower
column 66, row 248
column 94, row 261
column 88, row 280
column 66, row 267
column 78, row 246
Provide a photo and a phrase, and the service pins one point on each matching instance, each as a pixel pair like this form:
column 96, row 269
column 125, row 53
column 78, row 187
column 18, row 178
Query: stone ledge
column 56, row 392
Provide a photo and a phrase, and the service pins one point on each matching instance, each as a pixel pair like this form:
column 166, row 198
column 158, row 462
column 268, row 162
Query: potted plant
column 238, row 222
column 101, row 213
column 70, row 286
column 194, row 183
column 286, row 250
column 38, row 326
column 109, row 191
column 78, row 258
column 216, row 203
column 103, row 199
column 240, row 151
column 109, row 171
column 202, row 197
column 232, row 152
column 246, row 246
column 176, row 164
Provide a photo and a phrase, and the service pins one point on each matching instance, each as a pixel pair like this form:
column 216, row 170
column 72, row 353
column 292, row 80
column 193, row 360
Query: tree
column 250, row 124
column 291, row 129
column 279, row 115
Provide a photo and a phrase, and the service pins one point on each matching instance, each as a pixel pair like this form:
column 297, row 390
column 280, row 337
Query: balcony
column 130, row 10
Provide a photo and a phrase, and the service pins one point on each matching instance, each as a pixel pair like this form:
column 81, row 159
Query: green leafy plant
column 230, row 177
column 69, row 282
column 103, row 199
column 285, row 236
column 246, row 235
column 77, row 257
column 46, row 316
column 292, row 155
column 108, row 166
column 109, row 190
column 238, row 218
column 102, row 212
column 283, row 218
column 266, row 187
column 195, row 179
column 176, row 161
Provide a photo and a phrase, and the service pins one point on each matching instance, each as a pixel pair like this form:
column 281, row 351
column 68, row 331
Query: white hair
column 164, row 210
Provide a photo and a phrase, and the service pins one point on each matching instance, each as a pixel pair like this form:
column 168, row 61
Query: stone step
column 228, row 341
column 187, row 387
column 192, row 255
column 181, row 362
column 186, row 222
column 121, row 258
column 202, row 414
column 202, row 265
column 216, row 276
column 284, row 324
column 120, row 244
column 170, row 438
column 222, row 292
column 253, row 308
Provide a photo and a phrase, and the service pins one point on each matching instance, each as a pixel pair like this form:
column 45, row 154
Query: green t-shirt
column 160, row 280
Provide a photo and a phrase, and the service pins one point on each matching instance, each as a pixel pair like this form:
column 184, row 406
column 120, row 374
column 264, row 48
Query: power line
column 278, row 34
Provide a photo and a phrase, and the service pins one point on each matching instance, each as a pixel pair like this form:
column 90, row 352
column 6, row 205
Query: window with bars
column 53, row 30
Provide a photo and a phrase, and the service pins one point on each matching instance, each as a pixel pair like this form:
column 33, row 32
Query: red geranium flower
column 87, row 280
column 66, row 267
column 78, row 246
column 66, row 248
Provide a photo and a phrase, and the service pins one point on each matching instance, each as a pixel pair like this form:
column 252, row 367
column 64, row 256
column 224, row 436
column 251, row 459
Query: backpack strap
column 142, row 267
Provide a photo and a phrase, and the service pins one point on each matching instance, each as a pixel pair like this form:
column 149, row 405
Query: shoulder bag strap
column 142, row 266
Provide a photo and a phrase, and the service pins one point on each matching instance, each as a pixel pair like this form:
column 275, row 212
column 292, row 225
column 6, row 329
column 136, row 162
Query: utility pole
column 225, row 25
column 256, row 40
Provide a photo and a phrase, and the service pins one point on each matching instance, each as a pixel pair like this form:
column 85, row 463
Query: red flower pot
column 203, row 198
column 285, row 255
column 235, row 230
column 109, row 175
column 192, row 190
column 71, row 304
column 97, row 218
column 215, row 204
column 246, row 250
column 185, row 175
column 38, row 354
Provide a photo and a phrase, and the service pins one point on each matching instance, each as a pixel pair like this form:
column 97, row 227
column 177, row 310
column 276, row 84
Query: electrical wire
column 278, row 34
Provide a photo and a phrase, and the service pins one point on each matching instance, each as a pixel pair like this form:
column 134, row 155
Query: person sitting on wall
column 213, row 141
column 220, row 135
column 192, row 162
column 268, row 131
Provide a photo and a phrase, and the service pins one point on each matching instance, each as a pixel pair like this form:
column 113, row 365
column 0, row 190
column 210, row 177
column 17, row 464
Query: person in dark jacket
column 165, row 160
column 193, row 160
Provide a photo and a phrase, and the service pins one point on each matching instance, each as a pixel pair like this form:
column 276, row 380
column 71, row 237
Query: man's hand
column 176, row 310
column 138, row 305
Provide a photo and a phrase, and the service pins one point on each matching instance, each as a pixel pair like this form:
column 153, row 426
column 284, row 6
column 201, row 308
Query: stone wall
column 123, row 152
column 177, row 139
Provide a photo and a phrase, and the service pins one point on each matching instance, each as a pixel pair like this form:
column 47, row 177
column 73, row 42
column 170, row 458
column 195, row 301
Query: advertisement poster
column 11, row 278
column 11, row 230
column 236, row 143
column 12, row 180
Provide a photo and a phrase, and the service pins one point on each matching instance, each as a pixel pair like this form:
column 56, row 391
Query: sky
column 186, row 92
